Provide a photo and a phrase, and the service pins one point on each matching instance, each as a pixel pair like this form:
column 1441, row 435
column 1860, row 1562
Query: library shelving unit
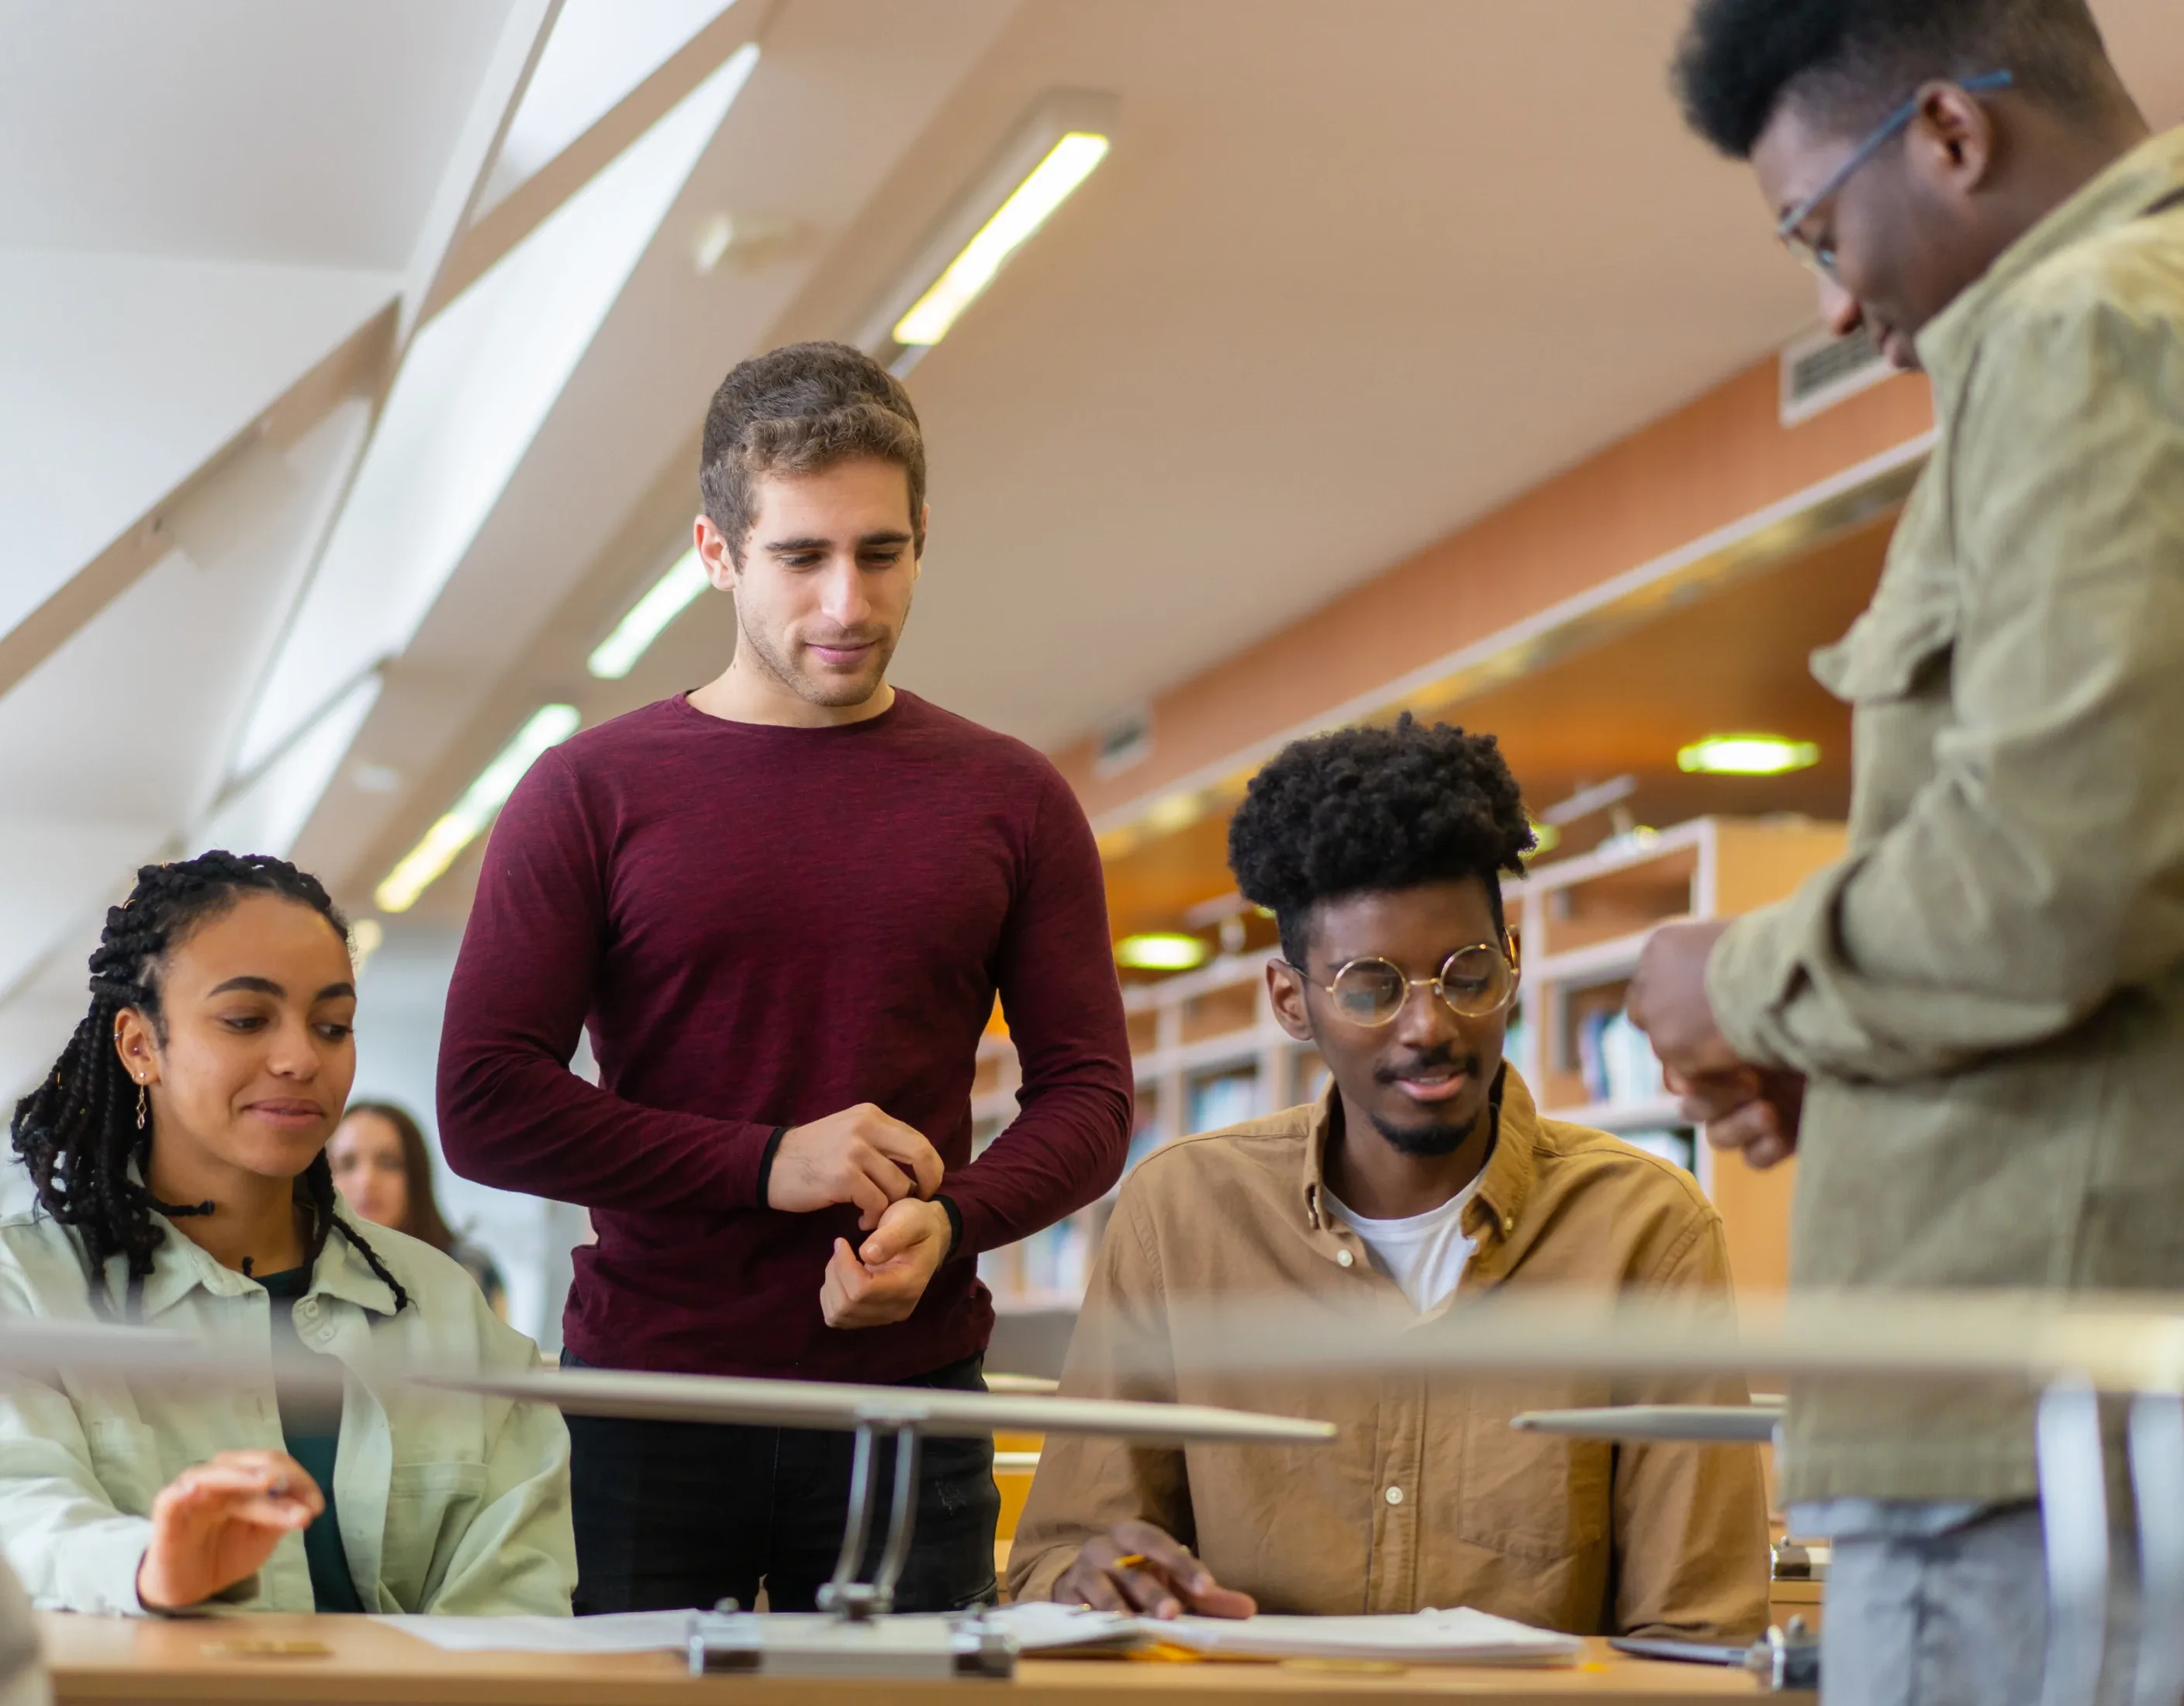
column 1580, row 923
column 1207, row 1053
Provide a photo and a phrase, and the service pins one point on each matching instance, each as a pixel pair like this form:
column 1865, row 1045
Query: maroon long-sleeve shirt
column 761, row 926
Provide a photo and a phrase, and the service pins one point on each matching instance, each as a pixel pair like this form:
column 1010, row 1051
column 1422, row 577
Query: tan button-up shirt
column 1988, row 992
column 1428, row 1497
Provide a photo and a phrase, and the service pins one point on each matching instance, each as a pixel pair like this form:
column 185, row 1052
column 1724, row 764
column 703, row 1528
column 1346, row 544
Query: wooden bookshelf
column 1206, row 1051
column 1580, row 923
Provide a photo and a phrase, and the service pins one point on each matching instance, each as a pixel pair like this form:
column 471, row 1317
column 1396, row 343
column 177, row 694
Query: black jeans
column 671, row 1514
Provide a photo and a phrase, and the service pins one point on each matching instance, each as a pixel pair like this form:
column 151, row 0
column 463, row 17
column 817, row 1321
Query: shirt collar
column 2149, row 174
column 182, row 1268
column 1504, row 1183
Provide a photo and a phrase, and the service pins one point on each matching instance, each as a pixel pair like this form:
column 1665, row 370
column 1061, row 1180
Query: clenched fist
column 880, row 1281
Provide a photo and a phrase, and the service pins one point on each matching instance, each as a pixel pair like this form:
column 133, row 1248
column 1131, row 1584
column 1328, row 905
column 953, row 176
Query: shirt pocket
column 1894, row 669
column 1899, row 648
column 1527, row 1495
column 429, row 1508
column 124, row 1457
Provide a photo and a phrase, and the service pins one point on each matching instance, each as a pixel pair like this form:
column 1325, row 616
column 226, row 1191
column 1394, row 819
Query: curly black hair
column 82, row 1131
column 1364, row 810
column 1855, row 59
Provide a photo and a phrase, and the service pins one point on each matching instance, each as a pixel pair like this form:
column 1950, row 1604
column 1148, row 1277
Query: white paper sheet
column 1032, row 1627
column 621, row 1631
column 1423, row 1638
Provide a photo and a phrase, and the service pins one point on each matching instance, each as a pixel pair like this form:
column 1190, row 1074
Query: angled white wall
column 477, row 381
column 121, row 375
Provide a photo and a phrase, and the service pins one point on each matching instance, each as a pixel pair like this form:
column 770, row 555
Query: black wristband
column 955, row 1224
column 765, row 1163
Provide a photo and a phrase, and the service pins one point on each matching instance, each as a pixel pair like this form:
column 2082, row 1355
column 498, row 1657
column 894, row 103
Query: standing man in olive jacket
column 1972, row 1028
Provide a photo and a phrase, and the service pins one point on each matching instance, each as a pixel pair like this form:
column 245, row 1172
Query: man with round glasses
column 1972, row 1030
column 1424, row 1170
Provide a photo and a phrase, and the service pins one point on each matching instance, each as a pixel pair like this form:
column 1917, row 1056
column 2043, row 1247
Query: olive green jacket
column 1988, row 991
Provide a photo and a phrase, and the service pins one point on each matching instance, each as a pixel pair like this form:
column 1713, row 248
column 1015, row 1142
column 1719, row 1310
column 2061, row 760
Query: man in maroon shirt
column 782, row 905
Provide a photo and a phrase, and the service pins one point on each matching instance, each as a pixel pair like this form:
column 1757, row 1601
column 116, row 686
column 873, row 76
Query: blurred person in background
column 383, row 1167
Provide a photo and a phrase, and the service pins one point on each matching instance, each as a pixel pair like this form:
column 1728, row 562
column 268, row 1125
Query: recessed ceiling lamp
column 672, row 593
column 1747, row 755
column 423, row 865
column 1162, row 951
column 1058, row 146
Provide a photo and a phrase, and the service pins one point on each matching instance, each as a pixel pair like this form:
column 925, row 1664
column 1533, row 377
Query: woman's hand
column 215, row 1525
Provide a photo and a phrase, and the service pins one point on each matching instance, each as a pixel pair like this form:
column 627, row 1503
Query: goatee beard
column 1431, row 1140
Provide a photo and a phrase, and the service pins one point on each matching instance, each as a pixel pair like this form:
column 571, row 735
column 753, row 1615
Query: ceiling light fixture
column 1747, row 755
column 1162, row 951
column 673, row 592
column 1059, row 145
column 423, row 865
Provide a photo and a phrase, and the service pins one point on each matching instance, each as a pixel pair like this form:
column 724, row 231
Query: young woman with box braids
column 175, row 1158
column 86, row 1132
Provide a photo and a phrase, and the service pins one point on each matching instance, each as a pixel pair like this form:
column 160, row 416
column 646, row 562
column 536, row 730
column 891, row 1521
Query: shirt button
column 1395, row 1494
column 1345, row 1257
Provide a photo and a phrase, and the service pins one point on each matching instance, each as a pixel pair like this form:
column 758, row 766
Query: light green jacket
column 1988, row 992
column 446, row 1503
column 23, row 1679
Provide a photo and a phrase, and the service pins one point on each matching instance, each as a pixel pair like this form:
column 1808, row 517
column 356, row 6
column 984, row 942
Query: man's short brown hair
column 797, row 410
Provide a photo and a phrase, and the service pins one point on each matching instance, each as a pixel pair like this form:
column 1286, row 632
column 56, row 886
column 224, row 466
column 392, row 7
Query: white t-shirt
column 1425, row 1254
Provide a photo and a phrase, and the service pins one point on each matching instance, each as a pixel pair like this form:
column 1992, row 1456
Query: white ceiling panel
column 142, row 704
column 599, row 50
column 121, row 375
column 292, row 131
column 478, row 380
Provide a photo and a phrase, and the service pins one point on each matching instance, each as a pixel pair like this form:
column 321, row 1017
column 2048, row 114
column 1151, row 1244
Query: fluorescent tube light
column 423, row 865
column 1057, row 146
column 1067, row 165
column 1162, row 951
column 1747, row 755
column 672, row 593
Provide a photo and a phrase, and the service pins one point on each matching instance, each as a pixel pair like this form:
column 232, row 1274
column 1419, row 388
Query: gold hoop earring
column 140, row 1106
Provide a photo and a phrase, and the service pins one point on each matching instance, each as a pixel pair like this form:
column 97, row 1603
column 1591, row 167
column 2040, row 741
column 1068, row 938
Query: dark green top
column 310, row 1428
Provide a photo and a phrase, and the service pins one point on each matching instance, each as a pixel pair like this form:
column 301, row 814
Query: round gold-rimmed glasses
column 1473, row 982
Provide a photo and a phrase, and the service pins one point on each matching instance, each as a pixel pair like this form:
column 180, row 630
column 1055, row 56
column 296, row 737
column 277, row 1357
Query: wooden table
column 109, row 1659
